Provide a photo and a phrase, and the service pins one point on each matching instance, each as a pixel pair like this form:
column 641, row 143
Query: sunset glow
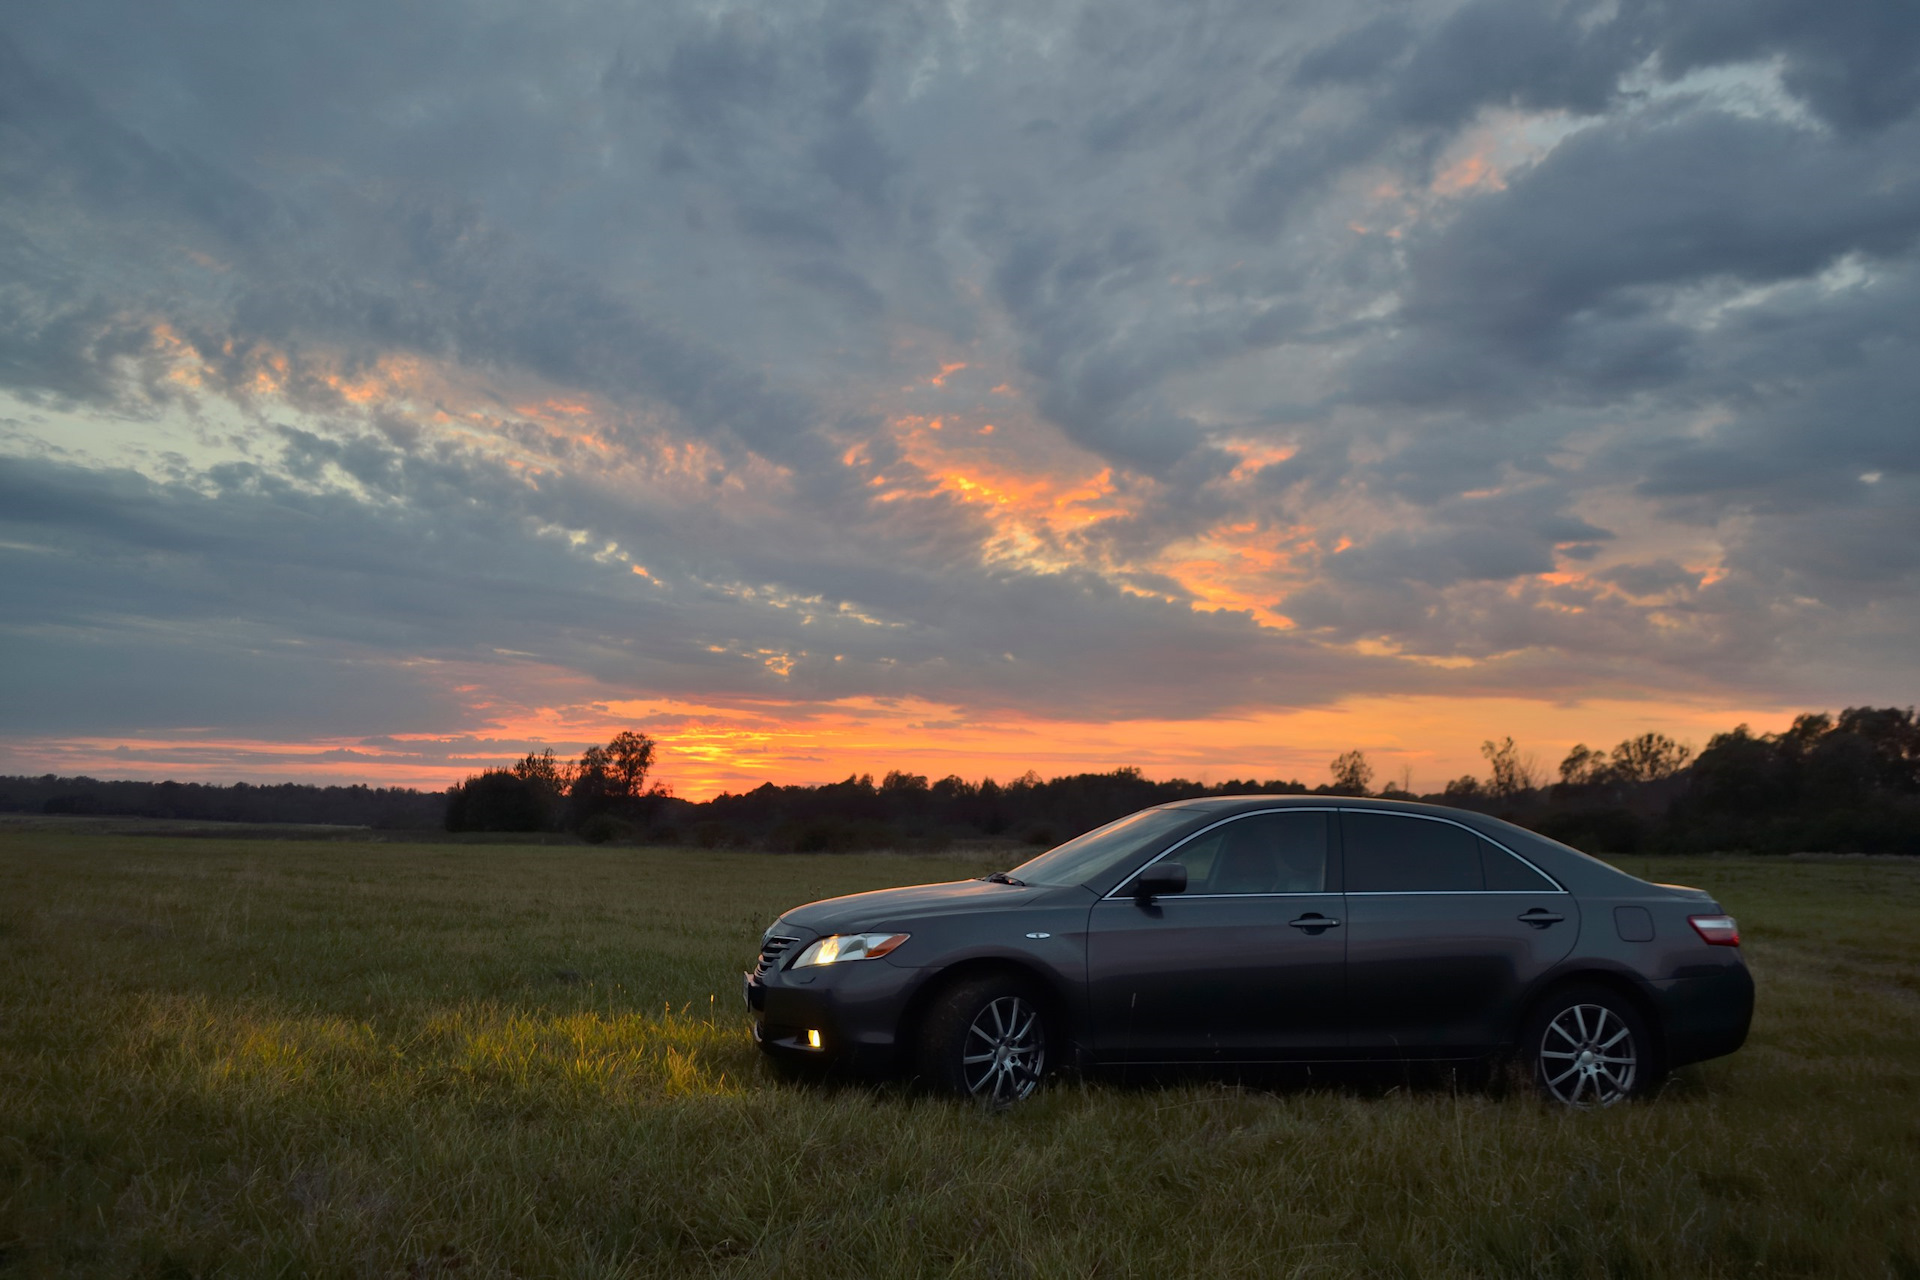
column 708, row 749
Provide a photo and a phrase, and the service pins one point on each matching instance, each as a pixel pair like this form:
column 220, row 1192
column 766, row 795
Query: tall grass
column 259, row 1059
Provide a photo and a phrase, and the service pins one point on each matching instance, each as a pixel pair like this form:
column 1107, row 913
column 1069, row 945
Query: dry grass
column 260, row 1059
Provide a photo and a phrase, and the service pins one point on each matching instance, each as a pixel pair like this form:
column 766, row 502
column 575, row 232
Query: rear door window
column 1507, row 874
column 1395, row 853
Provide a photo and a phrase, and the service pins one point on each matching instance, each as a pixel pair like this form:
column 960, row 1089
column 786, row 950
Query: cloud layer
column 469, row 377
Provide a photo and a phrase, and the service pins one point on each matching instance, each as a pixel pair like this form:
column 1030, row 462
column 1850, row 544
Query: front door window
column 1221, row 972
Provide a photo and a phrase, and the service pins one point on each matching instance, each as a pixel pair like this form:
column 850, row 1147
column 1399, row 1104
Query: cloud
column 1139, row 362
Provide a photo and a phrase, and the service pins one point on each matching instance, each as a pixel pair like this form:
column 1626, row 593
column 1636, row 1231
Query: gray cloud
column 1200, row 251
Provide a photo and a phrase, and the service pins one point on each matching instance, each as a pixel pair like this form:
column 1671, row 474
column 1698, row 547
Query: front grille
column 771, row 950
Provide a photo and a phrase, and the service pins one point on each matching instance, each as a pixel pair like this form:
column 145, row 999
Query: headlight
column 841, row 947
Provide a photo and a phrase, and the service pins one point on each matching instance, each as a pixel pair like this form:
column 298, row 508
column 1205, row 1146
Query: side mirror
column 1161, row 877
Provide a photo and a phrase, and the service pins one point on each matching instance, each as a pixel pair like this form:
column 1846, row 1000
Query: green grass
column 252, row 1058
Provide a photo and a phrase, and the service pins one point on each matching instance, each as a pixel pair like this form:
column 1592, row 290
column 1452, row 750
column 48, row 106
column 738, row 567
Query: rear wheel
column 1589, row 1047
column 986, row 1038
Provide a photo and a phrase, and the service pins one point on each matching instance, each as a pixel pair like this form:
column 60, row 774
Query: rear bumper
column 1705, row 1017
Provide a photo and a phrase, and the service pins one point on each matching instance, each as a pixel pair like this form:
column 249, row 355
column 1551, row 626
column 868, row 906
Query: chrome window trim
column 1208, row 897
column 1455, row 893
column 1431, row 817
column 1118, row 895
column 1367, row 893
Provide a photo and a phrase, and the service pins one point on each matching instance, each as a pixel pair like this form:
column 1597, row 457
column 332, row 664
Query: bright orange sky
column 1420, row 742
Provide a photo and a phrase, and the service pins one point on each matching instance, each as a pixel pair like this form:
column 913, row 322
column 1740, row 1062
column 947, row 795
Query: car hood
column 888, row 908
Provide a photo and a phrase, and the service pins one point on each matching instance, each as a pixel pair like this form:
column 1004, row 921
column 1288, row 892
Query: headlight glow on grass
column 838, row 948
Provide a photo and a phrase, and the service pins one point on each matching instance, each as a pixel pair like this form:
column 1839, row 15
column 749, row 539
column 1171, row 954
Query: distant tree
column 1740, row 772
column 1352, row 775
column 1513, row 773
column 1651, row 757
column 592, row 791
column 628, row 759
column 497, row 800
column 1464, row 787
column 1583, row 767
column 1891, row 737
column 955, row 787
column 610, row 782
column 545, row 770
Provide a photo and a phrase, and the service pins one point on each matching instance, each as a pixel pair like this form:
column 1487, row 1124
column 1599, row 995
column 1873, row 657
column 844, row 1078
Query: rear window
column 1391, row 853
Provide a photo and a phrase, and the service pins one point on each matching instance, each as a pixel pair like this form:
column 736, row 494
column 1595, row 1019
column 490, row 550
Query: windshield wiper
column 1001, row 877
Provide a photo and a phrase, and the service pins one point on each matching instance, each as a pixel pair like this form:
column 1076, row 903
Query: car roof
column 1236, row 804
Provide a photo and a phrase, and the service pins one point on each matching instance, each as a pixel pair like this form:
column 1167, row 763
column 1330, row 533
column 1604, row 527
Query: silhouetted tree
column 545, row 772
column 1513, row 774
column 1845, row 783
column 1352, row 775
column 497, row 800
column 628, row 758
column 610, row 785
column 1651, row 757
column 1583, row 767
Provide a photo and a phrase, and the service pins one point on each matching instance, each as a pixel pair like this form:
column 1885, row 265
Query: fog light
column 813, row 1039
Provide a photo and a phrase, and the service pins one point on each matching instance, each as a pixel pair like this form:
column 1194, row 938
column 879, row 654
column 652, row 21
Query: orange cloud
column 1470, row 172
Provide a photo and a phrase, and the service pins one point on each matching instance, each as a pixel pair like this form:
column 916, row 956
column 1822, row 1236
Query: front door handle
column 1540, row 917
column 1315, row 923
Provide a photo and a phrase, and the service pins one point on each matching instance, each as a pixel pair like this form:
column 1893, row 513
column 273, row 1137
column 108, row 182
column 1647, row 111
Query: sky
column 387, row 390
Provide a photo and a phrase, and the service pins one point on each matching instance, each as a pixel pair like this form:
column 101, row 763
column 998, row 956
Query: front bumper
column 856, row 1009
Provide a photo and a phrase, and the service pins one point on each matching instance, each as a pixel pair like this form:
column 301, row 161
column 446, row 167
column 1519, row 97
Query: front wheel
column 986, row 1039
column 1589, row 1047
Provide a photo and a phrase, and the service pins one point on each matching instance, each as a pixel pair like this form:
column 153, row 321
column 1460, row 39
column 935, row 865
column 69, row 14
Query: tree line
column 388, row 808
column 1848, row 781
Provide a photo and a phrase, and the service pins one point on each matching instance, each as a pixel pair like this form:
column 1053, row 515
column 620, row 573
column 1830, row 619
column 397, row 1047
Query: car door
column 1246, row 965
column 1446, row 932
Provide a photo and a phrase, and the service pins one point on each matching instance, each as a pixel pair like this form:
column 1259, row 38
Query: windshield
column 1087, row 857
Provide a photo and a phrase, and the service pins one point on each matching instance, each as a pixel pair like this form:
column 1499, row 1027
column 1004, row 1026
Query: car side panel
column 1217, row 978
column 1445, row 975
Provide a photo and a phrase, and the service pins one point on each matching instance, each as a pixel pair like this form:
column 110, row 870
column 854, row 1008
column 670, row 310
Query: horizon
column 388, row 393
column 1400, row 774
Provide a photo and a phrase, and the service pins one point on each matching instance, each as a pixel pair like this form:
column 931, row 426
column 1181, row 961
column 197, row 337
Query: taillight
column 1718, row 931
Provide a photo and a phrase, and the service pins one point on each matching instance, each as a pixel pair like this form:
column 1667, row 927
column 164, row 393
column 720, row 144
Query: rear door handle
column 1540, row 917
column 1314, row 923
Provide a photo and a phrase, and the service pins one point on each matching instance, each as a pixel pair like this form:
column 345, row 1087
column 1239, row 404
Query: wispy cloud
column 822, row 382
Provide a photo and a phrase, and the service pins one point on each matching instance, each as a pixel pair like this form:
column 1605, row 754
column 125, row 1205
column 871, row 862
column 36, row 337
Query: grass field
column 255, row 1058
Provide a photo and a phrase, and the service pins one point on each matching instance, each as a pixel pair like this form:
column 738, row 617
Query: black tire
column 987, row 1039
column 1588, row 1047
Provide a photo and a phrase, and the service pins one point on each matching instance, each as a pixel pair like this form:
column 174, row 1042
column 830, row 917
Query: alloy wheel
column 1588, row 1057
column 1005, row 1051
